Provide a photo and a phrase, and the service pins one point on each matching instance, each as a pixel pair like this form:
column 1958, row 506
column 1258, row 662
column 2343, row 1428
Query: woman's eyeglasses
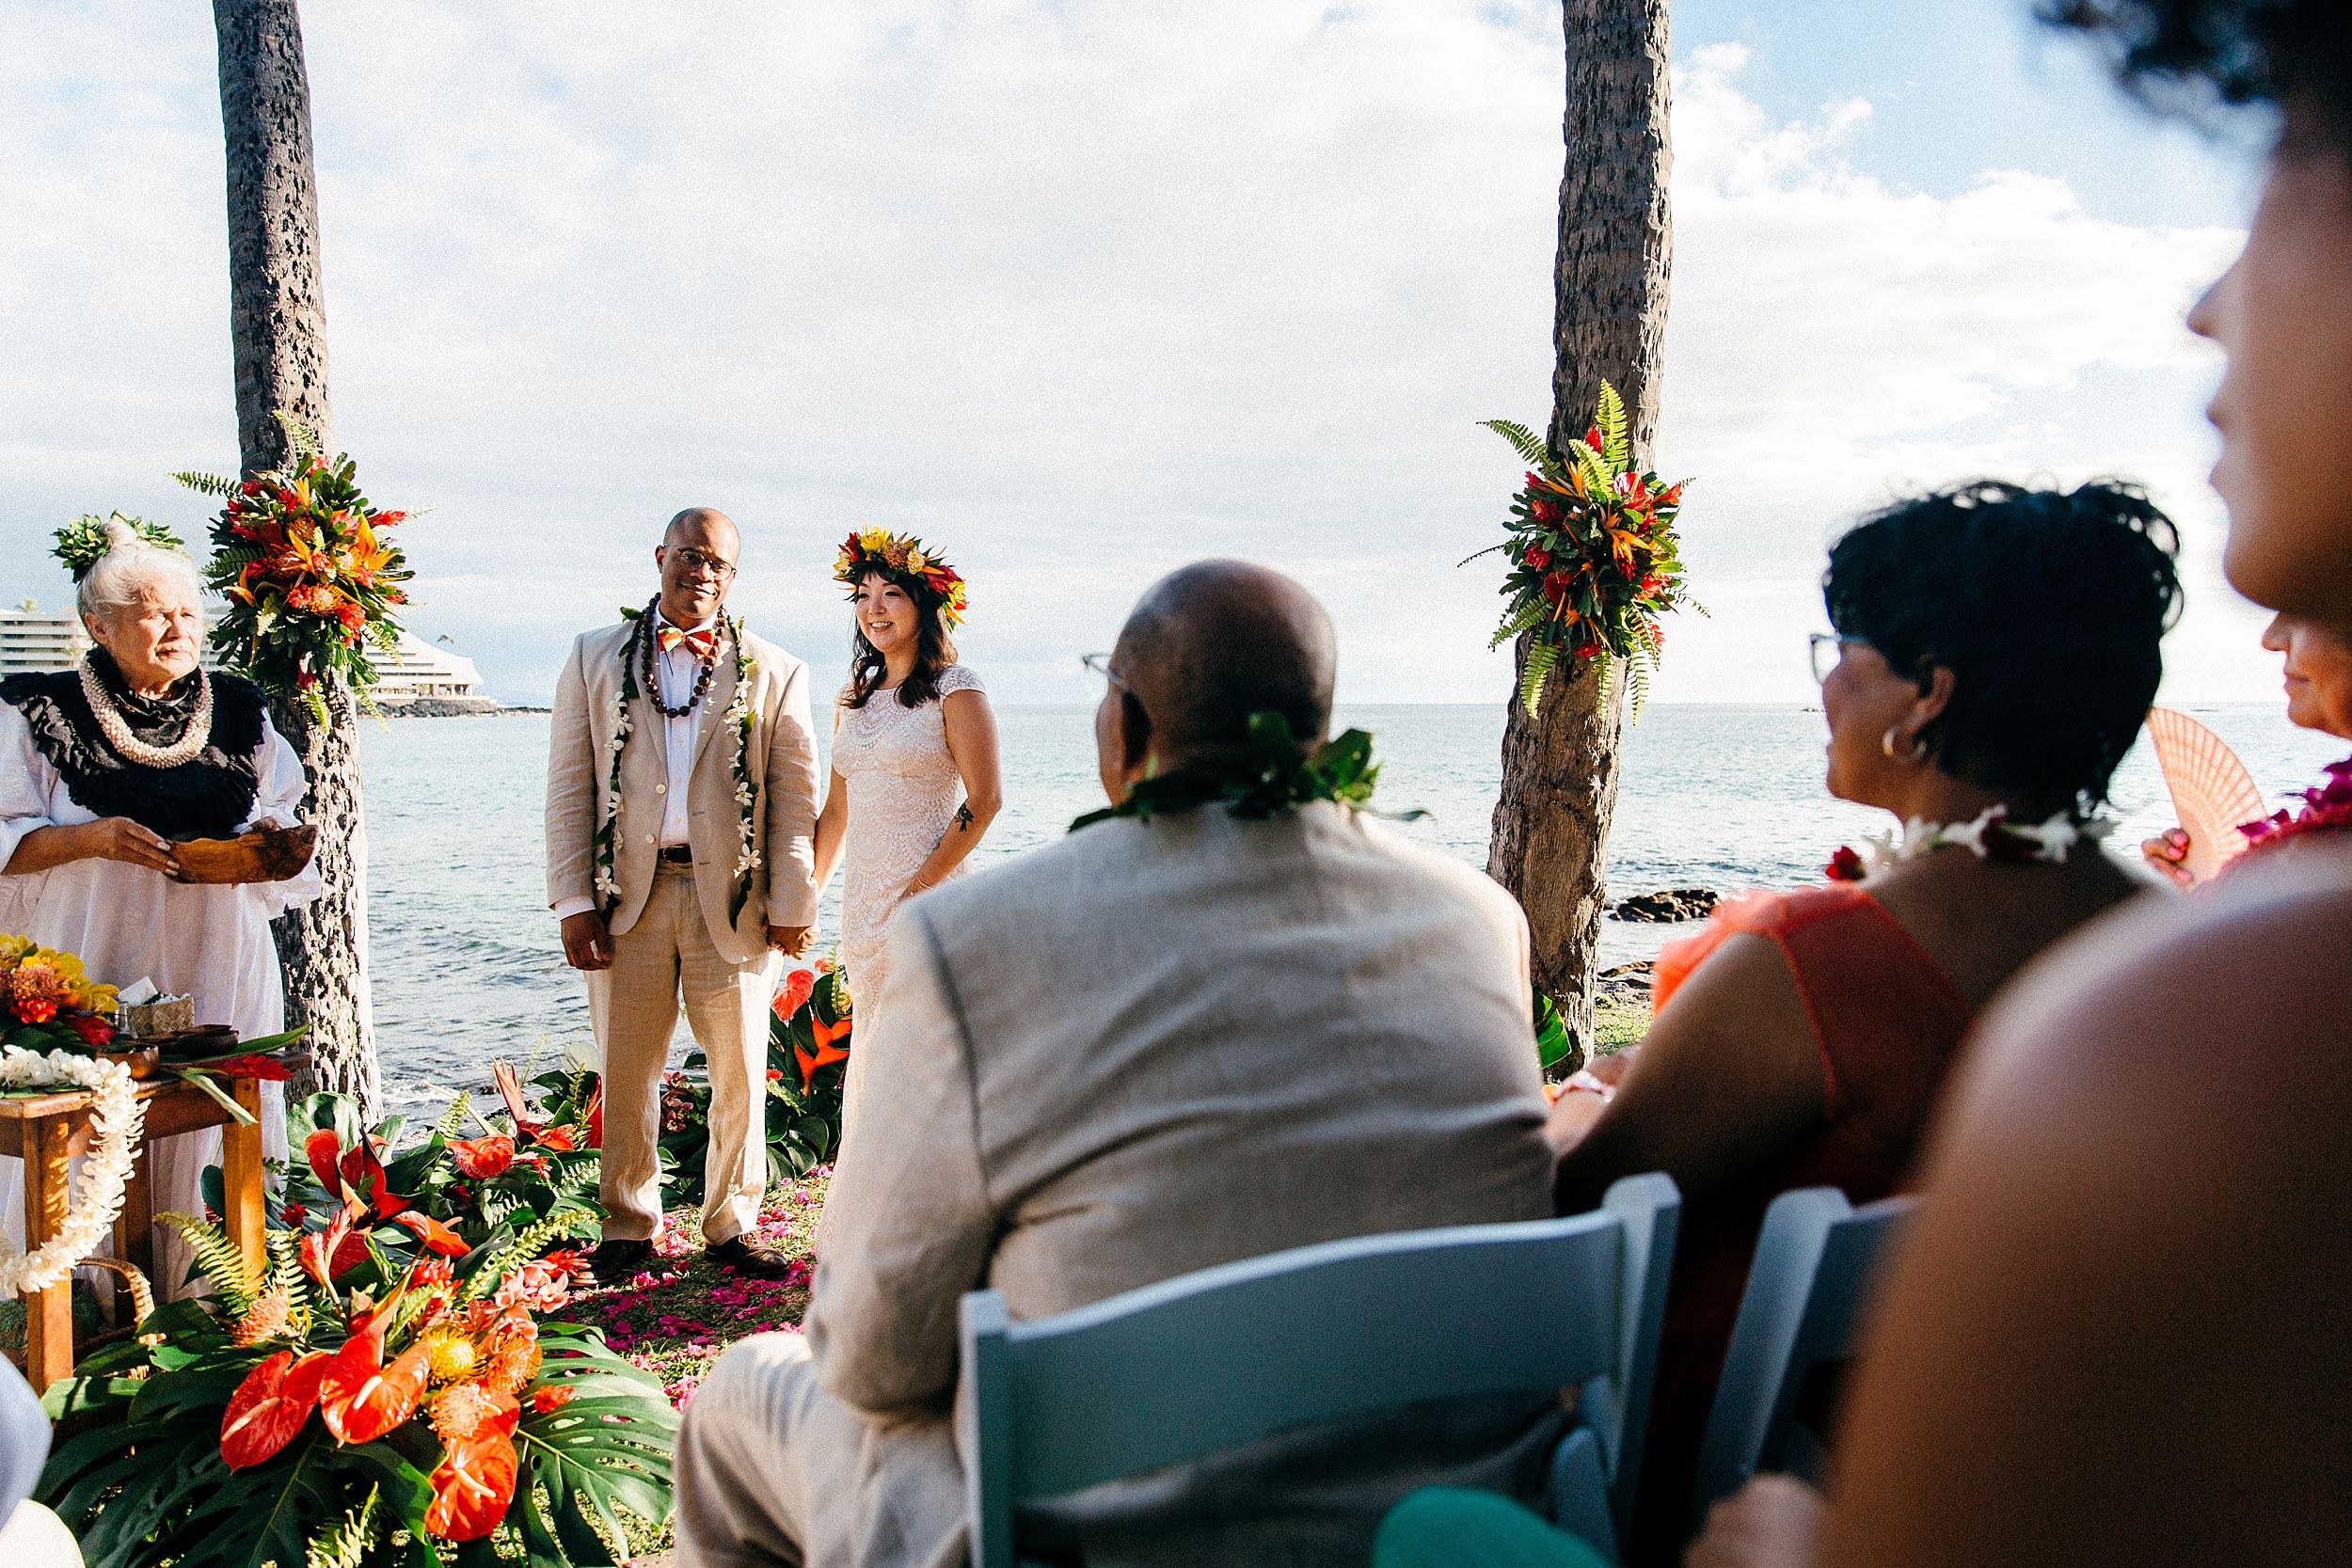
column 1828, row 648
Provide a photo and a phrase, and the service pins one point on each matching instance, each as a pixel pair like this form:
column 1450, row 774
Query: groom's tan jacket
column 1146, row 1049
column 782, row 753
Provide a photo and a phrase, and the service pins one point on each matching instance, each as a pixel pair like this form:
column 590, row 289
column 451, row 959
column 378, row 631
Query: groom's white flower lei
column 739, row 716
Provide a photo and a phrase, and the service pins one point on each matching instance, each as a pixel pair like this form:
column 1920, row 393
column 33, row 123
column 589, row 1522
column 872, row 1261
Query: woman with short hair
column 103, row 768
column 1995, row 649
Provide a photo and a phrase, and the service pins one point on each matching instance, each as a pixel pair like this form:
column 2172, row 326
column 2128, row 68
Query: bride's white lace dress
column 904, row 790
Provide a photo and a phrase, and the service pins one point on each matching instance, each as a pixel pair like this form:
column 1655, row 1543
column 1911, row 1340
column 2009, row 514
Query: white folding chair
column 1808, row 1292
column 1223, row 1358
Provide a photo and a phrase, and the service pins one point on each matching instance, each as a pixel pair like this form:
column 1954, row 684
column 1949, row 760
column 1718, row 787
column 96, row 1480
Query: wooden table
column 48, row 1130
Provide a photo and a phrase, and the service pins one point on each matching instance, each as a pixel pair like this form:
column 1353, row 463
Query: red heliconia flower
column 471, row 1488
column 1539, row 559
column 794, row 994
column 269, row 1070
column 509, row 1087
column 551, row 1397
column 269, row 1407
column 433, row 1233
column 1845, row 866
column 361, row 1398
column 330, row 1253
column 596, row 1118
column 425, row 1272
column 561, row 1139
column 826, row 1051
column 484, row 1156
column 93, row 1029
column 250, row 487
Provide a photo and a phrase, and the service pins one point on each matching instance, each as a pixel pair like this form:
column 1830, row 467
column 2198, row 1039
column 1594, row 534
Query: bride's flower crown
column 902, row 558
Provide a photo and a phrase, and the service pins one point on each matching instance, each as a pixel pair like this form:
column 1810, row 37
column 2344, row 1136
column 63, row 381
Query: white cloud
column 1080, row 290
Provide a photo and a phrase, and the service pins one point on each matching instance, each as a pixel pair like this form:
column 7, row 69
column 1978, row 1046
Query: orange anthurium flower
column 361, row 1398
column 433, row 1233
column 471, row 1487
column 269, row 1407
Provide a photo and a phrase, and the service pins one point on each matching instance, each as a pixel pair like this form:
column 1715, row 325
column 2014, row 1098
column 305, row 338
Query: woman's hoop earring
column 1886, row 743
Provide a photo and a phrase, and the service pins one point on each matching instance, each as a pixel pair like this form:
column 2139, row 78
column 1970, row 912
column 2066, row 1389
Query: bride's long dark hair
column 934, row 650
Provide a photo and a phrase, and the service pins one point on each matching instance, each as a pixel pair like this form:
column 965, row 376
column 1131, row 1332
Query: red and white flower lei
column 1991, row 836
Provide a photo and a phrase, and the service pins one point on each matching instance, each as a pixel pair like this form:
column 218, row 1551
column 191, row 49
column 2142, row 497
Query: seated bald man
column 1161, row 1043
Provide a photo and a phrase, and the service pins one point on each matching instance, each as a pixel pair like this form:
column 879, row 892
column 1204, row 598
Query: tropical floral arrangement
column 47, row 1002
column 309, row 571
column 406, row 1307
column 902, row 556
column 1594, row 558
column 808, row 1054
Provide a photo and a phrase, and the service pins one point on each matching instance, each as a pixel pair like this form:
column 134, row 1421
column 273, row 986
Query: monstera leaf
column 605, row 1449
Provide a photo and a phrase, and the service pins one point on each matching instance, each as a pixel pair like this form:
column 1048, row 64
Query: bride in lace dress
column 916, row 781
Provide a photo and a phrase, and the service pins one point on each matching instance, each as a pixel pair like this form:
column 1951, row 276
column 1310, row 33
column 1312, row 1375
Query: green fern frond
column 1614, row 445
column 1541, row 657
column 216, row 485
column 288, row 1274
column 1601, row 665
column 1530, row 446
column 220, row 1259
column 1526, row 618
column 453, row 1121
column 1637, row 674
column 348, row 1542
column 302, row 442
column 1597, row 473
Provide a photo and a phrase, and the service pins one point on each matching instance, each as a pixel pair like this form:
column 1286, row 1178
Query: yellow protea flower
column 449, row 1357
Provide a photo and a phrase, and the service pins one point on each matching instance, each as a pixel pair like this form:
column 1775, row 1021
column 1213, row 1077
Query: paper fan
column 2212, row 791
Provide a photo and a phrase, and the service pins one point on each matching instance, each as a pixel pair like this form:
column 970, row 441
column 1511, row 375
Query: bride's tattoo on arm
column 963, row 816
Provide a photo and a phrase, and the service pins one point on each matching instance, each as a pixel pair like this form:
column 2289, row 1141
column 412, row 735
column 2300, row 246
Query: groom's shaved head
column 706, row 528
column 1218, row 640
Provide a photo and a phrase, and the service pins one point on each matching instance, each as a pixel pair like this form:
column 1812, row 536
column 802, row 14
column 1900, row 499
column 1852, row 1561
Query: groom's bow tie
column 702, row 645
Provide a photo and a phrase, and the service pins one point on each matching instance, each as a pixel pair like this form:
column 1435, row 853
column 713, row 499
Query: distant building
column 34, row 639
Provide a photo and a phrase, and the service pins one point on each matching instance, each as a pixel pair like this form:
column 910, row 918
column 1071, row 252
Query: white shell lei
column 117, row 731
column 2052, row 841
column 115, row 1122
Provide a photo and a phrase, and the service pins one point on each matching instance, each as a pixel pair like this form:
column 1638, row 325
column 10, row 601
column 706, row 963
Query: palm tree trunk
column 278, row 323
column 1609, row 321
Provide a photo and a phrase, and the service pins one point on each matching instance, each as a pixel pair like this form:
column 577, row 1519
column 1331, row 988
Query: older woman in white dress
column 915, row 779
column 103, row 767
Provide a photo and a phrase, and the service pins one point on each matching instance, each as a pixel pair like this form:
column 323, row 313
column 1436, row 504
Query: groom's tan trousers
column 667, row 958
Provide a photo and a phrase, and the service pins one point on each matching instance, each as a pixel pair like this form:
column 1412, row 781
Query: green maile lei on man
column 739, row 717
column 1278, row 775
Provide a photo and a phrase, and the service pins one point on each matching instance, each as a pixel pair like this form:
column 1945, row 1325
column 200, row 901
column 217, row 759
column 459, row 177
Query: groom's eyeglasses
column 700, row 565
column 1100, row 665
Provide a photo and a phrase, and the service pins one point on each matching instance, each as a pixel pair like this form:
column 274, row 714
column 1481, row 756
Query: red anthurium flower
column 322, row 1149
column 484, row 1156
column 361, row 1398
column 471, row 1487
column 794, row 994
column 269, row 1407
column 325, row 1254
column 363, row 1175
column 433, row 1233
column 558, row 1138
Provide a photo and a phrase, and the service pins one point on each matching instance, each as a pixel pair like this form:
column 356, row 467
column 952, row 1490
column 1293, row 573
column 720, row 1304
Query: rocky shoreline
column 451, row 708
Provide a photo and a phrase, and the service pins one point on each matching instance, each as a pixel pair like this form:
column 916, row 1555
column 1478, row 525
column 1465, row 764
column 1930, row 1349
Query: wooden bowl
column 142, row 1060
column 265, row 855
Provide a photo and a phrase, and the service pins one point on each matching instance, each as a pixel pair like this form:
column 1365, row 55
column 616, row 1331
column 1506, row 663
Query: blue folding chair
column 1808, row 1297
column 1228, row 1356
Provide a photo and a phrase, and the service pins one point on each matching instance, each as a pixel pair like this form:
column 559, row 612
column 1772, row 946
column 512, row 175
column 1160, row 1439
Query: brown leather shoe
column 616, row 1263
column 753, row 1262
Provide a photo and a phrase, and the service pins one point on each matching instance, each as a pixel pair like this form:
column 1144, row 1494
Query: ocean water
column 466, row 965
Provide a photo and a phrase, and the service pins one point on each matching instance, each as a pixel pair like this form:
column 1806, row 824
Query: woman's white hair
column 130, row 565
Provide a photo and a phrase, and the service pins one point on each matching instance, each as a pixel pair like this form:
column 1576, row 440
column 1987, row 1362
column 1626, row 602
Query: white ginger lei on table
column 904, row 790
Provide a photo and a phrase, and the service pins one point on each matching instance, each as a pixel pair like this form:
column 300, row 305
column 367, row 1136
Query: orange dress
column 1889, row 1026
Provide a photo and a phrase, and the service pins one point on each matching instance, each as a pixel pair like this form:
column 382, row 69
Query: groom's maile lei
column 681, row 803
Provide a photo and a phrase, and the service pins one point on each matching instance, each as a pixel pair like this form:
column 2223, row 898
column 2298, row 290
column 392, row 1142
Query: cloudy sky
column 1082, row 289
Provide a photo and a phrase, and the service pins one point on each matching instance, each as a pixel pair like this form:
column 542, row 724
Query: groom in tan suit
column 683, row 887
column 1154, row 1046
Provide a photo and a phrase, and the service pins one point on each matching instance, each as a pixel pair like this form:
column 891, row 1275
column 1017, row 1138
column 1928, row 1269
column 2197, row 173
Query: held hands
column 586, row 943
column 791, row 940
column 119, row 838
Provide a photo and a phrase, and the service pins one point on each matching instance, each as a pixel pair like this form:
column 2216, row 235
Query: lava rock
column 1671, row 903
column 1625, row 985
